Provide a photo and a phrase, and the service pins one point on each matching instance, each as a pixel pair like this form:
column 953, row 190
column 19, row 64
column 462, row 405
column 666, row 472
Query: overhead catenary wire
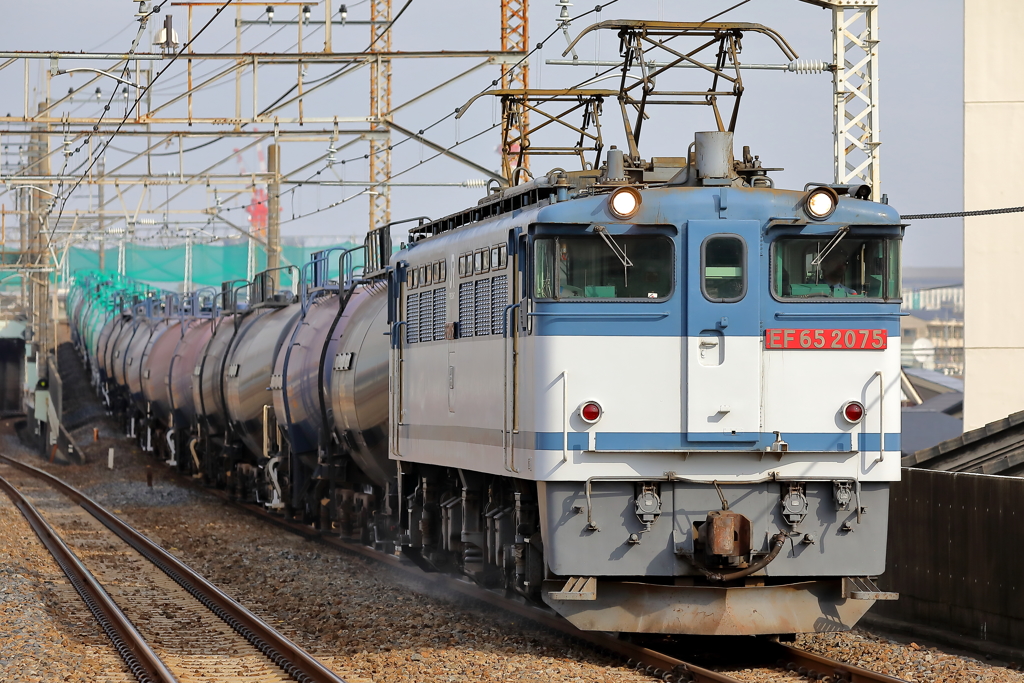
column 138, row 98
column 421, row 131
column 124, row 73
column 961, row 214
column 344, row 69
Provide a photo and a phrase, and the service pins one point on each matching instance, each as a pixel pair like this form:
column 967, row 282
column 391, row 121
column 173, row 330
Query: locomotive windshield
column 587, row 267
column 824, row 267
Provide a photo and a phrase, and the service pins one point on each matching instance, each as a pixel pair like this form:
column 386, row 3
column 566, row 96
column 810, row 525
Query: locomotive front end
column 715, row 410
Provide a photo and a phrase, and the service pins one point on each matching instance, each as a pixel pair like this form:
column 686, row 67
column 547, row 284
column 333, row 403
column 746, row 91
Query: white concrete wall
column 993, row 245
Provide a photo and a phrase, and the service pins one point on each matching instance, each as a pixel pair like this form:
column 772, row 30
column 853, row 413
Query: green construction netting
column 212, row 264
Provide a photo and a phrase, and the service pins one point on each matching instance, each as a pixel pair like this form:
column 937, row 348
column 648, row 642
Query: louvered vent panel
column 426, row 316
column 466, row 309
column 412, row 318
column 440, row 313
column 499, row 299
column 482, row 307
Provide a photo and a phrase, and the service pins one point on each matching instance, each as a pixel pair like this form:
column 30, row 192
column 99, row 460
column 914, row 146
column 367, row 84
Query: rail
column 817, row 667
column 295, row 661
column 658, row 664
column 140, row 659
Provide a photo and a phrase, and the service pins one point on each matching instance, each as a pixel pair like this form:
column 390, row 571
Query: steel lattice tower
column 380, row 110
column 515, row 36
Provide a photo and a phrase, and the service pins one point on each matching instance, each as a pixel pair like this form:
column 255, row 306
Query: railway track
column 661, row 661
column 166, row 621
column 657, row 661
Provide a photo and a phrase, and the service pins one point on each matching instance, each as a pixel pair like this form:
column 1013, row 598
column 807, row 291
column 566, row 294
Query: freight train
column 657, row 396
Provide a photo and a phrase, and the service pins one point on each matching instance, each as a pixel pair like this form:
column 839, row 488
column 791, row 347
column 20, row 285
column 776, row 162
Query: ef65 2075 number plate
column 871, row 340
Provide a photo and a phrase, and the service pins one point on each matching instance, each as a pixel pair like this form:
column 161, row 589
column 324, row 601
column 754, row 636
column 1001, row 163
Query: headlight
column 821, row 202
column 624, row 202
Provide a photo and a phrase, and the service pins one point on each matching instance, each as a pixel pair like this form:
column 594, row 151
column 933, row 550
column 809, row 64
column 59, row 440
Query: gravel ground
column 908, row 661
column 366, row 622
column 46, row 632
column 370, row 624
column 360, row 619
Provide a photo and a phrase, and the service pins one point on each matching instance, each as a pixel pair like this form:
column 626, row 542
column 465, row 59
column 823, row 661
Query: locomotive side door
column 723, row 333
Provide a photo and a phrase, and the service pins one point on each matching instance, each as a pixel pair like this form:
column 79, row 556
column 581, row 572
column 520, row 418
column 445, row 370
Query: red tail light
column 590, row 412
column 853, row 412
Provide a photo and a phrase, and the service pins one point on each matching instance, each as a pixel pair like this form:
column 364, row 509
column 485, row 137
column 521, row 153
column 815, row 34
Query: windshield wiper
column 614, row 246
column 833, row 243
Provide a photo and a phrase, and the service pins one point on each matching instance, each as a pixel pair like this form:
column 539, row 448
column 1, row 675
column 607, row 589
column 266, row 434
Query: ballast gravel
column 366, row 622
column 46, row 632
column 909, row 661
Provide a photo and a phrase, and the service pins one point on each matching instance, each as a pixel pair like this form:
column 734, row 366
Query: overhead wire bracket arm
column 446, row 152
column 673, row 28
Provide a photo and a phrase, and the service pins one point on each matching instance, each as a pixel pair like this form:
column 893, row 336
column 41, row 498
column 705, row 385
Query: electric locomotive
column 679, row 383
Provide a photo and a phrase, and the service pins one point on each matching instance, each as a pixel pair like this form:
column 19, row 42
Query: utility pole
column 380, row 109
column 187, row 280
column 39, row 257
column 273, row 207
column 102, row 228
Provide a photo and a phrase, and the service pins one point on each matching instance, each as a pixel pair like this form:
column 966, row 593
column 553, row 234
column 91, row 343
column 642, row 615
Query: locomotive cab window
column 722, row 267
column 836, row 268
column 587, row 267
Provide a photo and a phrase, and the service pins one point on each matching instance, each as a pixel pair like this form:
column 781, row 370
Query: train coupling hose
column 195, row 456
column 778, row 540
column 173, row 460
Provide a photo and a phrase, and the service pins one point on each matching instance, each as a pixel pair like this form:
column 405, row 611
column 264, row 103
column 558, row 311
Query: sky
column 786, row 118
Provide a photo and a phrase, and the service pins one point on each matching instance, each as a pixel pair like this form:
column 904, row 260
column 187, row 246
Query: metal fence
column 956, row 554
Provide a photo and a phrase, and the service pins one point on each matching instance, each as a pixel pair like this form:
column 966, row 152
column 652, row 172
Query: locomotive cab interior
column 581, row 265
column 831, row 266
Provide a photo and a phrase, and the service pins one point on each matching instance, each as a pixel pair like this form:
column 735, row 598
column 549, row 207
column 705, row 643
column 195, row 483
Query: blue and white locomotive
column 659, row 396
column 671, row 392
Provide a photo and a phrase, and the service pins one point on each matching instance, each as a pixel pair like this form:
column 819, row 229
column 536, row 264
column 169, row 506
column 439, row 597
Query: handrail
column 262, row 276
column 508, row 443
column 565, row 415
column 348, row 284
column 840, row 314
column 230, row 289
column 396, row 383
column 654, row 315
column 319, row 258
column 881, row 416
column 234, row 303
column 311, row 282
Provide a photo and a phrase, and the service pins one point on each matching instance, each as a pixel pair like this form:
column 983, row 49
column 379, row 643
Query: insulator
column 475, row 182
column 808, row 66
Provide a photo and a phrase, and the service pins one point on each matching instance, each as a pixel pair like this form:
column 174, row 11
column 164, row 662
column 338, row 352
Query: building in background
column 993, row 245
column 933, row 331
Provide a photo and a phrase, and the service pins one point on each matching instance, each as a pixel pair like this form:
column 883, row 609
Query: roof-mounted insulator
column 808, row 66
